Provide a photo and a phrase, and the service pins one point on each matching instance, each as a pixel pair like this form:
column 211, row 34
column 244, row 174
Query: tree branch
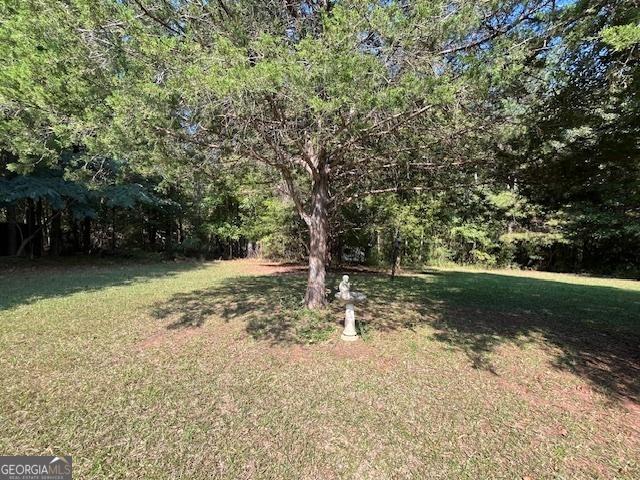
column 158, row 20
column 288, row 178
column 496, row 32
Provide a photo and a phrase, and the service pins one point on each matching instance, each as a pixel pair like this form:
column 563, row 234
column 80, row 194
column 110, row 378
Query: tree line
column 489, row 132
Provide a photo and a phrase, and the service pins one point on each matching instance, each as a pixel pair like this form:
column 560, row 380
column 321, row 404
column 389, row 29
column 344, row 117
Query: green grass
column 169, row 370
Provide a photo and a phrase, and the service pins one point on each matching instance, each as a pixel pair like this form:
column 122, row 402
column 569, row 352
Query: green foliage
column 55, row 190
column 493, row 132
column 621, row 37
column 473, row 244
column 127, row 196
column 278, row 231
column 312, row 326
column 191, row 247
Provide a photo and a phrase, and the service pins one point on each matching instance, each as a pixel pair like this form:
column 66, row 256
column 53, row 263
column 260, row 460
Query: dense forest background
column 551, row 180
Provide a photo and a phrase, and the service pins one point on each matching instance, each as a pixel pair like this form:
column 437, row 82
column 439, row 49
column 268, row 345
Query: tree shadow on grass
column 23, row 287
column 270, row 305
column 592, row 331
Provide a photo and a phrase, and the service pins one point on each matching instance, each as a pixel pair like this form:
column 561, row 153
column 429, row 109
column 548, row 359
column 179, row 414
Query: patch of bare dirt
column 633, row 415
column 358, row 350
column 262, row 267
column 292, row 353
column 175, row 338
column 362, row 352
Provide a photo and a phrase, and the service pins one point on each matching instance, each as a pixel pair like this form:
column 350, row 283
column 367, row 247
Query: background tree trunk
column 395, row 253
column 75, row 234
column 113, row 229
column 86, row 235
column 36, row 231
column 55, row 243
column 38, row 241
column 12, row 219
column 31, row 227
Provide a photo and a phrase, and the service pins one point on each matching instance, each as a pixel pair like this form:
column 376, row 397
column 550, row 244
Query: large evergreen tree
column 334, row 96
column 465, row 110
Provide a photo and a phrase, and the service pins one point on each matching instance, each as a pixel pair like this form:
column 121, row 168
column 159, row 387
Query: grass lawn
column 212, row 370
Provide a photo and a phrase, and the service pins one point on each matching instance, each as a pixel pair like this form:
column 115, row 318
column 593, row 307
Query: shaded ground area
column 215, row 370
column 595, row 330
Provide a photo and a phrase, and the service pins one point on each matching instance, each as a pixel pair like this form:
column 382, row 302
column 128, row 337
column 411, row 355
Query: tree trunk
column 113, row 229
column 75, row 234
column 318, row 223
column 86, row 235
column 28, row 240
column 152, row 231
column 55, row 242
column 12, row 245
column 40, row 226
column 395, row 252
column 31, row 228
column 168, row 246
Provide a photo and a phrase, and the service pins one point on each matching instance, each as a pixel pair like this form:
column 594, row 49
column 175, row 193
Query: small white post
column 349, row 334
